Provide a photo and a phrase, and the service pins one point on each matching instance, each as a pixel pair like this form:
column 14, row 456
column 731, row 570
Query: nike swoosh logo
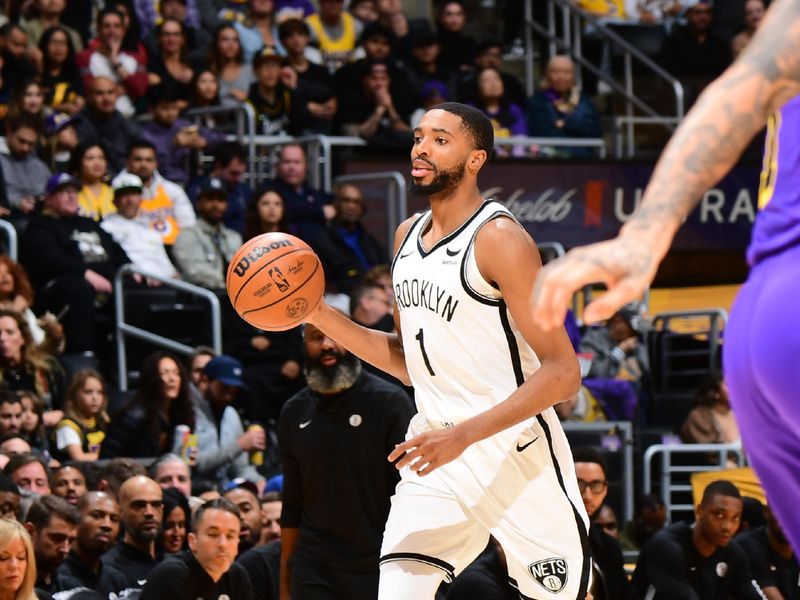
column 521, row 448
column 141, row 581
column 453, row 252
column 304, row 425
column 404, row 255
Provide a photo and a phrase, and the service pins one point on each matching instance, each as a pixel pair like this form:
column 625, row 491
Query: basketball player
column 486, row 453
column 763, row 337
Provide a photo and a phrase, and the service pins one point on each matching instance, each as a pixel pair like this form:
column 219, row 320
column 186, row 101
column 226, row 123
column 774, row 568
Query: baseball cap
column 60, row 181
column 226, row 369
column 213, row 189
column 267, row 54
column 127, row 181
column 56, row 122
column 241, row 482
column 634, row 314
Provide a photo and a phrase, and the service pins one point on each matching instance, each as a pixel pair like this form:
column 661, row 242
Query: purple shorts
column 762, row 369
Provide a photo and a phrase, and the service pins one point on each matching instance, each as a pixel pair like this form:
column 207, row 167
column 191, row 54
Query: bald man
column 101, row 123
column 141, row 511
column 97, row 532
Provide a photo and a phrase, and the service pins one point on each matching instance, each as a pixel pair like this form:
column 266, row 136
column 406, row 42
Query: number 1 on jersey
column 420, row 338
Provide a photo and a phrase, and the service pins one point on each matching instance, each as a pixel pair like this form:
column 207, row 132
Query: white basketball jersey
column 463, row 350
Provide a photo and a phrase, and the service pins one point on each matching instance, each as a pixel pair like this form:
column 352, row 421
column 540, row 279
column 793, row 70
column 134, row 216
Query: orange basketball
column 274, row 281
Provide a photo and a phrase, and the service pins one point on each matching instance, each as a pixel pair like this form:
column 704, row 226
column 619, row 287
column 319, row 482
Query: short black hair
column 201, row 486
column 162, row 92
column 8, row 485
column 271, row 497
column 140, row 143
column 227, row 151
column 9, row 397
column 24, row 120
column 587, row 454
column 651, row 501
column 477, row 125
column 720, row 487
column 292, row 26
column 108, row 11
column 47, row 507
column 218, row 504
column 376, row 30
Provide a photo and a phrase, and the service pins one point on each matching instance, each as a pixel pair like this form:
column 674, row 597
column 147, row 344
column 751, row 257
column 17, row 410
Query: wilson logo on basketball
column 550, row 573
column 297, row 308
column 255, row 254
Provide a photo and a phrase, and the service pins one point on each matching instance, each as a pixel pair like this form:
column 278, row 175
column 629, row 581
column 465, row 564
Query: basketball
column 274, row 281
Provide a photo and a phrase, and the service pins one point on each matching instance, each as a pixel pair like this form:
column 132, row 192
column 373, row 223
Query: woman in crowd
column 24, row 366
column 131, row 34
column 32, row 425
column 90, row 167
column 60, row 76
column 145, row 424
column 560, row 109
column 265, row 215
column 17, row 562
column 16, row 293
column 507, row 118
column 28, row 98
column 171, row 64
column 80, row 434
column 712, row 420
column 175, row 524
column 226, row 61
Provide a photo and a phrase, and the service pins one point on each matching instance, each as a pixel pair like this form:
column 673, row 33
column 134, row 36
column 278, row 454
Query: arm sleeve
column 136, row 83
column 666, row 570
column 186, row 251
column 66, row 436
column 605, row 363
column 184, row 211
column 45, row 255
column 292, row 479
column 743, row 586
column 211, row 455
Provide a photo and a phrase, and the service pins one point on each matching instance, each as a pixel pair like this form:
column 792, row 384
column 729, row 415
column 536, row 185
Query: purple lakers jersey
column 777, row 227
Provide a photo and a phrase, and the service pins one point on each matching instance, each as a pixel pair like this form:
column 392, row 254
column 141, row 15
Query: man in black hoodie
column 73, row 258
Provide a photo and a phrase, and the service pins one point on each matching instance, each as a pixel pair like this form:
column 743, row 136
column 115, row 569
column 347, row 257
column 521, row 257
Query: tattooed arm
column 705, row 146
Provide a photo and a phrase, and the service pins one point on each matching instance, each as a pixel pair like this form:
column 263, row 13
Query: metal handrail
column 624, row 430
column 245, row 125
column 722, row 451
column 124, row 329
column 523, row 140
column 397, row 210
column 572, row 17
column 619, row 122
column 11, row 234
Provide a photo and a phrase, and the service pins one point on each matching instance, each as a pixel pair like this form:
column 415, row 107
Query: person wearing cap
column 694, row 53
column 222, row 441
column 143, row 246
column 272, row 94
column 74, row 259
column 616, row 349
column 204, row 250
column 62, row 139
column 426, row 64
column 23, row 172
column 335, row 32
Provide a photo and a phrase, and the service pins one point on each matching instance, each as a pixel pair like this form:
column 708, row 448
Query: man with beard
column 204, row 250
column 68, row 482
column 772, row 559
column 207, row 569
column 141, row 512
column 244, row 494
column 610, row 580
column 222, row 442
column 486, row 454
column 52, row 523
column 97, row 532
column 698, row 561
column 333, row 437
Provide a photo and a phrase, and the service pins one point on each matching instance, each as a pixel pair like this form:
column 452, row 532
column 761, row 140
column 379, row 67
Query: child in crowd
column 32, row 425
column 81, row 432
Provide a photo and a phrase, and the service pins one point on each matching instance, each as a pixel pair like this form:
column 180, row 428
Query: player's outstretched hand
column 626, row 265
column 429, row 451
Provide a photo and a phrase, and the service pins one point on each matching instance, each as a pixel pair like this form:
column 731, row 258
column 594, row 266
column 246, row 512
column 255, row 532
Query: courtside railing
column 125, row 329
column 11, row 239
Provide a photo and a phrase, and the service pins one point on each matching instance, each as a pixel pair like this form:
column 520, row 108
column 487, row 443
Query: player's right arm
column 706, row 145
column 380, row 349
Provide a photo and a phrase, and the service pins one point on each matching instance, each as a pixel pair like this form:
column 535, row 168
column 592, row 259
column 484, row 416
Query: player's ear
column 477, row 158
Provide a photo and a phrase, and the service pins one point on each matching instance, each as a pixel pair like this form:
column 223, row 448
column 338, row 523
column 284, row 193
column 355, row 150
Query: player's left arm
column 508, row 257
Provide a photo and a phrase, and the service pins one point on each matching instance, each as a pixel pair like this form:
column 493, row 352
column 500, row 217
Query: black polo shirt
column 337, row 482
column 671, row 565
column 181, row 577
column 74, row 573
column 769, row 568
column 134, row 565
column 263, row 566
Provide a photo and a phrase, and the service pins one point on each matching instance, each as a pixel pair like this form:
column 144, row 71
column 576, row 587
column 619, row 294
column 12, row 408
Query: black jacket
column 343, row 269
column 610, row 580
column 181, row 577
column 114, row 132
column 127, row 435
column 56, row 246
column 263, row 565
column 134, row 565
column 73, row 574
